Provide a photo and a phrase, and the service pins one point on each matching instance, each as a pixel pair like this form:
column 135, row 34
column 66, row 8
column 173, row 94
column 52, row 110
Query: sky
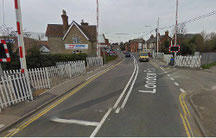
column 120, row 20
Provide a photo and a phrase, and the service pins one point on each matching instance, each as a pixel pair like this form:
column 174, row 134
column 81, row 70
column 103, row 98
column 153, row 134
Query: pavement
column 130, row 98
column 17, row 113
column 201, row 87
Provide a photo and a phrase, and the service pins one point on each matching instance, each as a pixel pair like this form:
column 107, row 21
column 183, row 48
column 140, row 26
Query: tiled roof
column 54, row 30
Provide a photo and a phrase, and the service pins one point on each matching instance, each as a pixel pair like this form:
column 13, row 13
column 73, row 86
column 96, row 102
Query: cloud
column 116, row 16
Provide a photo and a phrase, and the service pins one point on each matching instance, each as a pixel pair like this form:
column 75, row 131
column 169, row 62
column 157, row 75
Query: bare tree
column 181, row 29
column 7, row 31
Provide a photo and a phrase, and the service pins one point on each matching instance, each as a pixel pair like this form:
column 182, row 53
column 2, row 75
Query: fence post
column 48, row 79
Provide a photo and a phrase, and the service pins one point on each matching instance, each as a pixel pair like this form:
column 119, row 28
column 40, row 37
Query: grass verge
column 208, row 66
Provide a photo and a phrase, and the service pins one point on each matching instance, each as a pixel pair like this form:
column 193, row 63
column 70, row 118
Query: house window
column 75, row 40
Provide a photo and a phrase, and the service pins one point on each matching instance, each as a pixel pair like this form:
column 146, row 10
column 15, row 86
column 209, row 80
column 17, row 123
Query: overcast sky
column 120, row 20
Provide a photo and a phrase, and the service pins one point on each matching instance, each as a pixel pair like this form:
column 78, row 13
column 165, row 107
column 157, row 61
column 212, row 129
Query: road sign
column 7, row 57
column 174, row 49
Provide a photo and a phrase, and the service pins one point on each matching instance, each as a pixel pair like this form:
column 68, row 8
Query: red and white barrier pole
column 98, row 46
column 20, row 37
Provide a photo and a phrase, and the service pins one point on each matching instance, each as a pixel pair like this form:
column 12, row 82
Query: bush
column 110, row 58
column 35, row 59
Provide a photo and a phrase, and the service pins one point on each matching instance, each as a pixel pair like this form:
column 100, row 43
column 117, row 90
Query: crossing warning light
column 174, row 49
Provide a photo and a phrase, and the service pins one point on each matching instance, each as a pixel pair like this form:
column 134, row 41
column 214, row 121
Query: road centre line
column 43, row 112
column 176, row 83
column 125, row 88
column 172, row 78
column 168, row 75
column 117, row 110
column 74, row 121
column 94, row 133
column 130, row 90
column 165, row 72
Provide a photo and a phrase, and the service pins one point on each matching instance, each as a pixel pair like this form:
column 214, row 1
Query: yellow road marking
column 185, row 125
column 185, row 105
column 28, row 122
column 188, row 124
column 186, row 112
column 181, row 103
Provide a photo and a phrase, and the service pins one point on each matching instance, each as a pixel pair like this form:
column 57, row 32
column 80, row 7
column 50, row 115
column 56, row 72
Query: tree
column 165, row 47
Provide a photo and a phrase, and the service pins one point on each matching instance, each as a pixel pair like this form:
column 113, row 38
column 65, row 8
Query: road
column 132, row 99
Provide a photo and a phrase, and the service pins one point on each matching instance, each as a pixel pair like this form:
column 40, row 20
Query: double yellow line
column 185, row 115
column 34, row 118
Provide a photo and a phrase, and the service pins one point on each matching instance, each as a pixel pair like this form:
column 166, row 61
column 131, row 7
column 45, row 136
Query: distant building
column 64, row 38
column 137, row 45
column 151, row 44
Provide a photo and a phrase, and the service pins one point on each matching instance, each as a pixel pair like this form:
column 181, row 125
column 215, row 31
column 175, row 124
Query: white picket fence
column 157, row 55
column 188, row 61
column 14, row 89
column 45, row 78
column 14, row 86
column 94, row 61
column 167, row 57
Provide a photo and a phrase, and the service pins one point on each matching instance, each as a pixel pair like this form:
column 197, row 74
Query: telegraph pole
column 20, row 37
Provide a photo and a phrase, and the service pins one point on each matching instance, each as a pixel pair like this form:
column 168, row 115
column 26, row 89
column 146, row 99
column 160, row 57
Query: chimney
column 167, row 33
column 84, row 23
column 65, row 21
column 152, row 36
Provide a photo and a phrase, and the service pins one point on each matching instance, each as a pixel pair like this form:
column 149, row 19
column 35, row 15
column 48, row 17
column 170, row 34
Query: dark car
column 127, row 54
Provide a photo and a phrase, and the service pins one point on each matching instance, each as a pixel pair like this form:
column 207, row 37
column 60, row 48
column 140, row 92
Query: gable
column 70, row 30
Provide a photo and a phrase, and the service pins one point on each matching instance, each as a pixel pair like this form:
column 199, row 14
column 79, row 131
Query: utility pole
column 157, row 36
column 20, row 37
column 98, row 46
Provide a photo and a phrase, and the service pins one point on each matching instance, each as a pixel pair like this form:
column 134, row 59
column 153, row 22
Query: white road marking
column 73, row 121
column 172, row 79
column 162, row 69
column 2, row 125
column 89, row 72
column 117, row 110
column 168, row 75
column 182, row 90
column 11, row 130
column 94, row 133
column 132, row 85
column 176, row 84
column 142, row 91
column 165, row 72
column 125, row 88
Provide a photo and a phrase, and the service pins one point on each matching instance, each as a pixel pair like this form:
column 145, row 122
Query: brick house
column 64, row 38
column 136, row 45
column 151, row 44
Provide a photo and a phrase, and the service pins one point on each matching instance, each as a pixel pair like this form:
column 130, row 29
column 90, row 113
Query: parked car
column 144, row 57
column 127, row 54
